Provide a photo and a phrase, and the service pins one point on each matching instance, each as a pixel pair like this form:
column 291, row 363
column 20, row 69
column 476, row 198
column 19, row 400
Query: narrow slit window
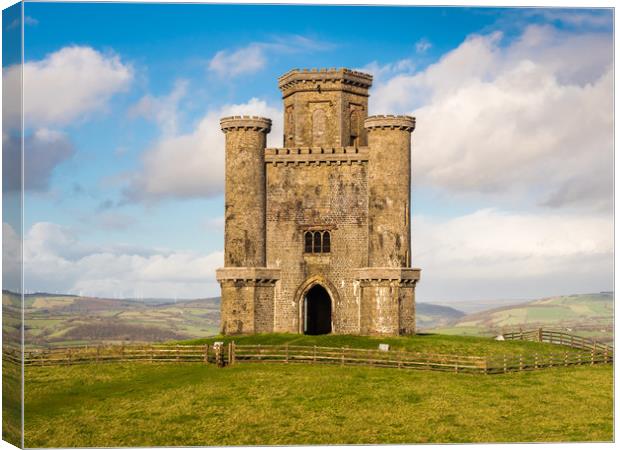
column 308, row 242
column 326, row 242
column 317, row 242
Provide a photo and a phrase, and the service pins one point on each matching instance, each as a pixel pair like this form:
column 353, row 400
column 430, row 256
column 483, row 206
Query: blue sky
column 124, row 190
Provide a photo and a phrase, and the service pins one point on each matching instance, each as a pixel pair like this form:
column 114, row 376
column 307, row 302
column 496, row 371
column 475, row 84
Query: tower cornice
column 329, row 80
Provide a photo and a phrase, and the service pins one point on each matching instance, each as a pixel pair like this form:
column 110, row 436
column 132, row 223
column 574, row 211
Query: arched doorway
column 317, row 311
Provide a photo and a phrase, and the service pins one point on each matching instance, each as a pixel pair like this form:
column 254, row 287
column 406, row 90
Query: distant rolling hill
column 53, row 319
column 588, row 314
column 66, row 320
column 430, row 316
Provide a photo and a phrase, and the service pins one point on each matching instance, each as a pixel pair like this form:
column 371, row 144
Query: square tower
column 324, row 108
column 317, row 236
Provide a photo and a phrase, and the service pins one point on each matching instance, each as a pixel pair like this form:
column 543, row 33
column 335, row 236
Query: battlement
column 330, row 79
column 308, row 155
column 391, row 122
column 255, row 123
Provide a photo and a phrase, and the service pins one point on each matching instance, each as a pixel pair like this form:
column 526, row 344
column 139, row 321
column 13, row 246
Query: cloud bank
column 494, row 254
column 66, row 85
column 56, row 260
column 192, row 164
column 534, row 117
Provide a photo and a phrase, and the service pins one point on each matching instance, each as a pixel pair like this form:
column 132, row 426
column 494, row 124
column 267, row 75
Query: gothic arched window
column 356, row 126
column 308, row 242
column 317, row 242
column 319, row 125
column 326, row 242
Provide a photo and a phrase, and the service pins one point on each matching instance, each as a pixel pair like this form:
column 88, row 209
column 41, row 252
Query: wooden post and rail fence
column 582, row 352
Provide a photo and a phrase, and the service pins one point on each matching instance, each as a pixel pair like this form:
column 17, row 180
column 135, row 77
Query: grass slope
column 73, row 320
column 593, row 312
column 432, row 316
column 427, row 343
column 184, row 405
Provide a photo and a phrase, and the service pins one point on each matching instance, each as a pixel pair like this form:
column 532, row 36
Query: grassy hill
column 430, row 316
column 589, row 314
column 68, row 320
column 426, row 343
column 267, row 404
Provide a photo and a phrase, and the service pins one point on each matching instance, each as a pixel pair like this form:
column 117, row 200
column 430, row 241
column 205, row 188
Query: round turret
column 405, row 123
column 255, row 123
column 246, row 139
column 389, row 190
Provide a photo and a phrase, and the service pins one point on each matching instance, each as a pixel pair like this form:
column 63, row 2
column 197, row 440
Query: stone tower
column 317, row 232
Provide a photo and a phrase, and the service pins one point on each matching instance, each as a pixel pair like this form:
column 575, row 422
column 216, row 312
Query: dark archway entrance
column 317, row 311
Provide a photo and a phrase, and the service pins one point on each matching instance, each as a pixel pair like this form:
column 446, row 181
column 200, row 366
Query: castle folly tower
column 318, row 231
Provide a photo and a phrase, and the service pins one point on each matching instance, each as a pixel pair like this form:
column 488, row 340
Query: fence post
column 592, row 357
column 565, row 359
column 342, row 357
column 505, row 365
column 572, row 343
column 206, row 353
column 606, row 356
column 229, row 353
column 540, row 335
column 521, row 362
column 232, row 353
column 286, row 348
column 259, row 356
column 314, row 354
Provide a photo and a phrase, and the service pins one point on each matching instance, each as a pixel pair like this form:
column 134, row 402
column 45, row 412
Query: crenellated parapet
column 251, row 123
column 307, row 79
column 390, row 122
column 316, row 155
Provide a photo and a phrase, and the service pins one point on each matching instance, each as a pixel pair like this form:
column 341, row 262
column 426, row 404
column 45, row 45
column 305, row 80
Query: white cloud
column 576, row 18
column 423, row 45
column 55, row 260
column 253, row 57
column 495, row 254
column 163, row 110
column 249, row 59
column 67, row 85
column 192, row 164
column 44, row 149
column 532, row 117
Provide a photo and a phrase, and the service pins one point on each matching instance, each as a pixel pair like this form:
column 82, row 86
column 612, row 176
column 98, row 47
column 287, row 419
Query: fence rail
column 559, row 337
column 589, row 353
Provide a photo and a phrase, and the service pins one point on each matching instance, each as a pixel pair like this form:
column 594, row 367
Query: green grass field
column 193, row 404
column 427, row 343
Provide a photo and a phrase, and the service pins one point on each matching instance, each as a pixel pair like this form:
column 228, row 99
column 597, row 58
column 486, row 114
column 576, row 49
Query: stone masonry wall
column 317, row 196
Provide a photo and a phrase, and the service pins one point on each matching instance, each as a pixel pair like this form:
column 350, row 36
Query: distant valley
column 73, row 320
